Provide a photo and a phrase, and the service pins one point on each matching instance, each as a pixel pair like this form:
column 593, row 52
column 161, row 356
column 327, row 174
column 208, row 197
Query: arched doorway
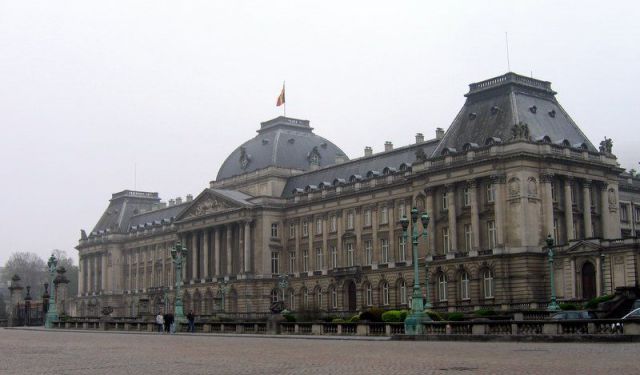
column 588, row 280
column 351, row 296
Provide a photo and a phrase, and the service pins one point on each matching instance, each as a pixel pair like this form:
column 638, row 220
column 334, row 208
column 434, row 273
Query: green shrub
column 455, row 316
column 354, row 319
column 434, row 315
column 484, row 312
column 338, row 320
column 569, row 306
column 373, row 314
column 289, row 318
column 593, row 303
column 392, row 316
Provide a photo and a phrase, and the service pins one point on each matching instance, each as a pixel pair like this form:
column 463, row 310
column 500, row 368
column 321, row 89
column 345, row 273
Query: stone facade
column 494, row 188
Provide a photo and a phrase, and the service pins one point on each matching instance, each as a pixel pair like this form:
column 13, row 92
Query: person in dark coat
column 191, row 319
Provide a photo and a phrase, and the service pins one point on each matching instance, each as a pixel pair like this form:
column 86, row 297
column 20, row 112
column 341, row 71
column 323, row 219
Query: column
column 103, row 257
column 183, row 240
column 586, row 210
column 137, row 269
column 475, row 216
column 568, row 209
column 391, row 209
column 130, row 283
column 604, row 210
column 573, row 278
column 247, row 246
column 326, row 256
column 163, row 257
column 431, row 233
column 205, row 255
column 216, row 251
column 375, row 245
column 81, row 277
column 358, row 258
column 341, row 261
column 194, row 255
column 240, row 240
column 89, row 271
column 229, row 250
column 451, row 209
column 94, row 271
column 298, row 250
column 598, row 276
column 547, row 204
column 499, row 182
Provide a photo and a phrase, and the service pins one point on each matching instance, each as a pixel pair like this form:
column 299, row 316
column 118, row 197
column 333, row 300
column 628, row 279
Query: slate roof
column 233, row 195
column 122, row 207
column 156, row 216
column 282, row 142
column 493, row 106
column 392, row 159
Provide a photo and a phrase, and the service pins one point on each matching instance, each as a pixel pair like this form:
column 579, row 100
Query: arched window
column 402, row 292
column 334, row 298
column 384, row 293
column 274, row 295
column 464, row 286
column 368, row 298
column 442, row 287
column 487, row 283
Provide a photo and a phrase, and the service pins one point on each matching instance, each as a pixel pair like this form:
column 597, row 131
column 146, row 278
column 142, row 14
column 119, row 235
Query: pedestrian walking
column 191, row 319
column 160, row 322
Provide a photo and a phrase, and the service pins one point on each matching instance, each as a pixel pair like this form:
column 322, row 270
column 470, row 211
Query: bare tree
column 72, row 270
column 31, row 269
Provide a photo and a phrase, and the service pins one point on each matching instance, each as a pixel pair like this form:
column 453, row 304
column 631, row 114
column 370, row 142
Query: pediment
column 208, row 203
column 583, row 247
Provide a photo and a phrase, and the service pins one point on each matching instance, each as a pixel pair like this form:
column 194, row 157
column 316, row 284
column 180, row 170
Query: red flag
column 281, row 98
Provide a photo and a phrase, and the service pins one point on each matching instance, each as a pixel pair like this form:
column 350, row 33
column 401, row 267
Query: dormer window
column 314, row 157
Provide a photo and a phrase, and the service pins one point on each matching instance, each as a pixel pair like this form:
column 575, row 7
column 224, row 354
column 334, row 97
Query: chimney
column 439, row 133
column 419, row 138
column 368, row 151
column 388, row 146
column 340, row 159
column 189, row 197
column 172, row 202
column 179, row 200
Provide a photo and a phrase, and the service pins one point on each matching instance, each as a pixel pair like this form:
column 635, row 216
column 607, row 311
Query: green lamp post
column 413, row 322
column 52, row 313
column 224, row 289
column 179, row 257
column 553, row 306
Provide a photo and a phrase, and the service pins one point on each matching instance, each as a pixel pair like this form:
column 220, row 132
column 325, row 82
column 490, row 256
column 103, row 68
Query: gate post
column 15, row 292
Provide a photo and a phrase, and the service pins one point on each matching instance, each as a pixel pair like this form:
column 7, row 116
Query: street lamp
column 283, row 284
column 413, row 322
column 224, row 289
column 52, row 314
column 553, row 306
column 179, row 257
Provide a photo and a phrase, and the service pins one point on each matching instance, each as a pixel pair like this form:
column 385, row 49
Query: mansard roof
column 357, row 168
column 494, row 106
column 122, row 207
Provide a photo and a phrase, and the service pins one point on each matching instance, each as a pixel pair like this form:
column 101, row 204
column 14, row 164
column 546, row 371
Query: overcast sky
column 90, row 89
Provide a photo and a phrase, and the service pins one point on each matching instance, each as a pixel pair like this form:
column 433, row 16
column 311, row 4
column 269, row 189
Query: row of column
column 221, row 243
column 92, row 276
column 161, row 269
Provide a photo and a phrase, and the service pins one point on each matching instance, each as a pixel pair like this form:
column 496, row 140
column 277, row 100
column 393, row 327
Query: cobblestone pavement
column 59, row 352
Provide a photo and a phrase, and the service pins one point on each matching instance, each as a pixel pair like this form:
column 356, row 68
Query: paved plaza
column 59, row 352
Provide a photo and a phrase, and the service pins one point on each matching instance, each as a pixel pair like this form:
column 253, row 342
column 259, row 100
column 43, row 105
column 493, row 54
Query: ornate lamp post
column 224, row 289
column 52, row 314
column 179, row 257
column 413, row 322
column 553, row 306
column 283, row 283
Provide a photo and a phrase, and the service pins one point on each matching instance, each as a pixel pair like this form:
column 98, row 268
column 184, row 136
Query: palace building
column 511, row 169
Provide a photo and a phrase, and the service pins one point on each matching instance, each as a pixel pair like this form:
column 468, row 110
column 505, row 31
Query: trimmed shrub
column 455, row 316
column 392, row 316
column 354, row 319
column 593, row 303
column 484, row 312
column 338, row 320
column 374, row 314
column 569, row 306
column 289, row 318
column 434, row 315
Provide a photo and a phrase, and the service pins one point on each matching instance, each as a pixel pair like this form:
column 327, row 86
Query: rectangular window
column 491, row 193
column 292, row 261
column 367, row 218
column 491, row 233
column 402, row 249
column 445, row 201
column 334, row 257
column 384, row 215
column 292, row 230
column 274, row 230
column 319, row 263
column 368, row 252
column 464, row 286
column 333, row 223
column 319, row 226
column 466, row 197
column 305, row 261
column 554, row 196
column 384, row 248
column 636, row 213
column 446, row 245
column 305, row 228
column 350, row 220
column 350, row 258
column 624, row 214
column 402, row 210
column 468, row 237
column 275, row 262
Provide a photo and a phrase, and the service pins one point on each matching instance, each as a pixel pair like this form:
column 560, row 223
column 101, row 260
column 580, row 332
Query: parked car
column 573, row 315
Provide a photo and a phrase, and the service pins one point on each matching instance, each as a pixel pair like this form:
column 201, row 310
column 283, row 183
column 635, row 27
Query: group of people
column 166, row 322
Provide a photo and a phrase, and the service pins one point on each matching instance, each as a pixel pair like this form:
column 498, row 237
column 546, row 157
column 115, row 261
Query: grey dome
column 282, row 142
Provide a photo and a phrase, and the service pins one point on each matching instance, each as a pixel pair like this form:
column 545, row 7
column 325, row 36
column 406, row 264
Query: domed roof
column 282, row 142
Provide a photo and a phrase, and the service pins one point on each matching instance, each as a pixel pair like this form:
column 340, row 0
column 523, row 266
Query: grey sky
column 90, row 88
